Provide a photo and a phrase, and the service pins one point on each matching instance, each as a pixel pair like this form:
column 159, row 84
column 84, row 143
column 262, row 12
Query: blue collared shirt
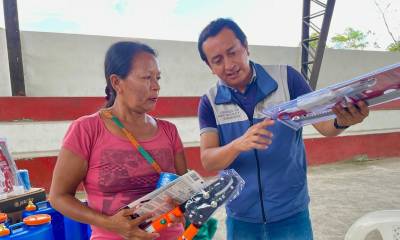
column 275, row 176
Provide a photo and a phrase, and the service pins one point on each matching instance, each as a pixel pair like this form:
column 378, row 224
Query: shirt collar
column 253, row 78
column 264, row 82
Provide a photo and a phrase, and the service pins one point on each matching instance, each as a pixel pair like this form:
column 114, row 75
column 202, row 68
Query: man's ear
column 116, row 83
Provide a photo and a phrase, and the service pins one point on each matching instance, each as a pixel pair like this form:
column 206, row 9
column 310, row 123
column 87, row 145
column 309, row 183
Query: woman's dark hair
column 216, row 26
column 118, row 61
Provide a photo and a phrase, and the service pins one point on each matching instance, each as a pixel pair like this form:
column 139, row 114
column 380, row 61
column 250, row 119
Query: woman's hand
column 123, row 224
column 175, row 219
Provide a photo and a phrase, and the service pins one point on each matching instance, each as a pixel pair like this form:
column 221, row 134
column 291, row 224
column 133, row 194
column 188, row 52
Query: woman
column 96, row 149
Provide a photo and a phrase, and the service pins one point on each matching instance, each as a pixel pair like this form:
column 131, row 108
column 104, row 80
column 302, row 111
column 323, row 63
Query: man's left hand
column 352, row 114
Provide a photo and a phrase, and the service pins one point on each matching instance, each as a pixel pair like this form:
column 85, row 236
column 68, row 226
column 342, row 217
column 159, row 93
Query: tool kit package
column 377, row 87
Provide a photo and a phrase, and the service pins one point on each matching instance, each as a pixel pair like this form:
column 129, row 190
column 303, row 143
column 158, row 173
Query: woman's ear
column 116, row 83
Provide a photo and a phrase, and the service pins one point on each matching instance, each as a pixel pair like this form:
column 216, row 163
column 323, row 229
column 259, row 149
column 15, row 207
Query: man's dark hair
column 216, row 26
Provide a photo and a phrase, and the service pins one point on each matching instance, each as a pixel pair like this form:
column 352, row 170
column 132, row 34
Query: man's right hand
column 123, row 224
column 256, row 137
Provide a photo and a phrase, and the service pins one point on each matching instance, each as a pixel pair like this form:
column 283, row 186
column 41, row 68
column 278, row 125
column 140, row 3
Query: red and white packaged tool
column 9, row 182
column 377, row 87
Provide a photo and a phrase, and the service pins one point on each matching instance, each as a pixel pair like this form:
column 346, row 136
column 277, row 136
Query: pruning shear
column 200, row 207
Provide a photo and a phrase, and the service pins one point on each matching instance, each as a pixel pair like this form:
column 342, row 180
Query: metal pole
column 321, row 43
column 14, row 48
column 305, row 35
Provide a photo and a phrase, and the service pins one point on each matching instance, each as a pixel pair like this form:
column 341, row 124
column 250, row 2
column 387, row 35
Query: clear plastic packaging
column 202, row 205
column 377, row 87
column 10, row 184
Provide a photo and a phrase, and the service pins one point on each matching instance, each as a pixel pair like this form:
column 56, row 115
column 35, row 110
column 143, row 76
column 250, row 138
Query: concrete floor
column 343, row 192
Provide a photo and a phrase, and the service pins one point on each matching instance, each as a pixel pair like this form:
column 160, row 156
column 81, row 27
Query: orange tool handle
column 165, row 219
column 189, row 233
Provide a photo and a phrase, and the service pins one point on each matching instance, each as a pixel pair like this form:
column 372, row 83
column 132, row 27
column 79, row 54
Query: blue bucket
column 34, row 227
column 75, row 230
column 4, row 232
column 5, row 237
column 57, row 219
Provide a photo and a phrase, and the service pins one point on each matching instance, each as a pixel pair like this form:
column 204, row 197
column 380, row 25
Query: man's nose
column 229, row 64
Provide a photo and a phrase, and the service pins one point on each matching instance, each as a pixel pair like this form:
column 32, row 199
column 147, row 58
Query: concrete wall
column 72, row 65
column 340, row 65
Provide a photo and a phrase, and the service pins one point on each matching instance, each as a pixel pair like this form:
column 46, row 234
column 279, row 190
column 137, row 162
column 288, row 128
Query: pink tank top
column 117, row 173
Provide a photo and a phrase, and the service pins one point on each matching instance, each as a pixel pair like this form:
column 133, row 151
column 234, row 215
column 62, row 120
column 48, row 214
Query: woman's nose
column 155, row 85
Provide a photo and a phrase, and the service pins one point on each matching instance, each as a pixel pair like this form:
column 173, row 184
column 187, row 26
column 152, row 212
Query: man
column 268, row 155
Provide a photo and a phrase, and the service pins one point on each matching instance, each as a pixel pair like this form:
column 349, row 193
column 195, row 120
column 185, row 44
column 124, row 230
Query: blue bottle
column 165, row 178
column 34, row 227
column 57, row 219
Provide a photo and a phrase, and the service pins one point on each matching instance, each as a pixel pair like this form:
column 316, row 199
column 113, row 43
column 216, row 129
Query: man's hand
column 352, row 114
column 256, row 137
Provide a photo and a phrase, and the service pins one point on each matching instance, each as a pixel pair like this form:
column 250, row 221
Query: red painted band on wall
column 332, row 149
column 70, row 108
column 393, row 105
column 41, row 168
column 319, row 151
